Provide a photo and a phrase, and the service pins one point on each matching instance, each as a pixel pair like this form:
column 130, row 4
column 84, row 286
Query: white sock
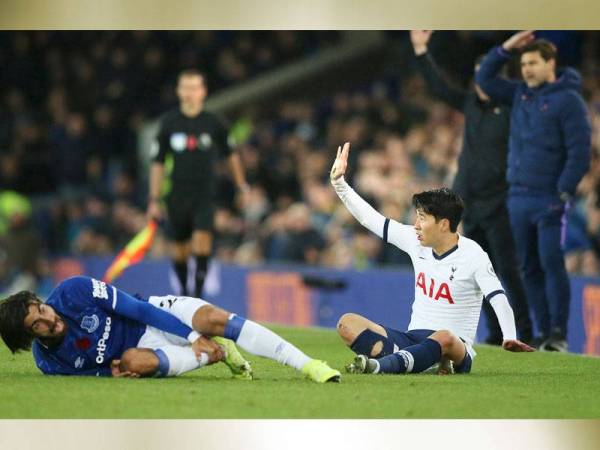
column 260, row 341
column 182, row 359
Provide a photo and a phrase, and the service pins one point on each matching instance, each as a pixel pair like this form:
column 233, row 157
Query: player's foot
column 320, row 372
column 446, row 367
column 240, row 368
column 362, row 364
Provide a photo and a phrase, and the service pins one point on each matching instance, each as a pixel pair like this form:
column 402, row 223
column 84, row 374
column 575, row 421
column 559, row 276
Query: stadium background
column 78, row 114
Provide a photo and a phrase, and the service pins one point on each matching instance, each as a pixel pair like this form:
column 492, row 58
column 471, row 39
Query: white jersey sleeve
column 491, row 287
column 402, row 236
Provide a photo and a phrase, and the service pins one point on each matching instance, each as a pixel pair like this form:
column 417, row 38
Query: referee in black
column 196, row 139
column 481, row 182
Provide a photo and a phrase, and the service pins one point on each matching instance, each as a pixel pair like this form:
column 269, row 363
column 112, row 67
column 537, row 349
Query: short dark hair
column 13, row 311
column 546, row 48
column 441, row 204
column 191, row 73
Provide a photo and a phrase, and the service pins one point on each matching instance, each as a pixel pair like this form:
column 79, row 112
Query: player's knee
column 140, row 361
column 208, row 318
column 345, row 327
column 445, row 338
column 377, row 348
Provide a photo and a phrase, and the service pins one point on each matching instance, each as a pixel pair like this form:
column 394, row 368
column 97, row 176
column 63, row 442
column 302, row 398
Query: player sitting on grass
column 452, row 277
column 87, row 327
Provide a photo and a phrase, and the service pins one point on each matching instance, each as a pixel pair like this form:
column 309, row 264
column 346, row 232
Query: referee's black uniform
column 481, row 182
column 196, row 144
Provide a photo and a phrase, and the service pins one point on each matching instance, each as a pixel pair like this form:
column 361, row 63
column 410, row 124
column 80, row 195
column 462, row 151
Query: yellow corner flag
column 133, row 252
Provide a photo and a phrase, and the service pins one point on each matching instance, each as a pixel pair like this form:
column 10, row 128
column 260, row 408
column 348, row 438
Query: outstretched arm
column 389, row 230
column 489, row 284
column 113, row 300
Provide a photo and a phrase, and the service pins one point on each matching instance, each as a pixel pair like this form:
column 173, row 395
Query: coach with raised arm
column 549, row 153
column 481, row 182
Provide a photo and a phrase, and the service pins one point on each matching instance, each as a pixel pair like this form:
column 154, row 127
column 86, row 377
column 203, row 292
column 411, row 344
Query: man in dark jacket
column 549, row 152
column 480, row 181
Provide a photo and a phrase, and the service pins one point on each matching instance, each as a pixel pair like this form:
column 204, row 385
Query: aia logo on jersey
column 433, row 292
column 83, row 343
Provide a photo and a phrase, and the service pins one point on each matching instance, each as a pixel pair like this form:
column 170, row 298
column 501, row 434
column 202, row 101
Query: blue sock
column 413, row 359
column 233, row 327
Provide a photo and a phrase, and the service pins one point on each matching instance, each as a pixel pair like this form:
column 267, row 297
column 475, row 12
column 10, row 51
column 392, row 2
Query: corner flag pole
column 133, row 252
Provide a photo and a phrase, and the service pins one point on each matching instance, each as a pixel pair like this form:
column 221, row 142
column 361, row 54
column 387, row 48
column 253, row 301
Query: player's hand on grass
column 214, row 351
column 514, row 345
column 341, row 162
column 518, row 40
column 118, row 372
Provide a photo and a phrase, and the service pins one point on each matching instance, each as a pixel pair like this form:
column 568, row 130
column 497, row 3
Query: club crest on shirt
column 178, row 141
column 90, row 323
column 452, row 269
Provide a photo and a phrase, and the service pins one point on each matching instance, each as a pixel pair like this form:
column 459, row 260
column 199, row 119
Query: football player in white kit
column 453, row 275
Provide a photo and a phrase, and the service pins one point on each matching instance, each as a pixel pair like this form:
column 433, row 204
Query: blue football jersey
column 96, row 333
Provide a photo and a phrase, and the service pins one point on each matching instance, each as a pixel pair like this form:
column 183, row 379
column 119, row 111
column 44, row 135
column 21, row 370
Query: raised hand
column 518, row 40
column 341, row 162
column 514, row 345
column 419, row 40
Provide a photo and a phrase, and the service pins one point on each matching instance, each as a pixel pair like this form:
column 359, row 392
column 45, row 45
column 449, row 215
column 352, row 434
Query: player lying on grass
column 452, row 277
column 87, row 327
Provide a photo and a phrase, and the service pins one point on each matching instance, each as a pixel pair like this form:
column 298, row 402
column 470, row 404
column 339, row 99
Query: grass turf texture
column 502, row 385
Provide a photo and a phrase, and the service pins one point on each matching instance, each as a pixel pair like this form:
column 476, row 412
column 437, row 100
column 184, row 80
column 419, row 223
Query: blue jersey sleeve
column 111, row 299
column 50, row 365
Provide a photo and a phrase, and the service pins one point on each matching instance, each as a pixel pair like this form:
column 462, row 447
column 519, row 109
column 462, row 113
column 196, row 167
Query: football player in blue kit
column 88, row 327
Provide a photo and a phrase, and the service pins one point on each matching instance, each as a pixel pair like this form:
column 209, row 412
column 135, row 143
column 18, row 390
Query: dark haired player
column 453, row 275
column 88, row 327
column 196, row 139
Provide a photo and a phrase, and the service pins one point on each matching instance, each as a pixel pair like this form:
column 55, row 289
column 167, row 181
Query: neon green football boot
column 320, row 372
column 240, row 368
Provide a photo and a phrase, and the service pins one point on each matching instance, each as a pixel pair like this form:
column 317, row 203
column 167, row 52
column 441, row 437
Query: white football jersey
column 449, row 288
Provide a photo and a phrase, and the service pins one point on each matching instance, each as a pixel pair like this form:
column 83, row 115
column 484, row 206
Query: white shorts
column 184, row 309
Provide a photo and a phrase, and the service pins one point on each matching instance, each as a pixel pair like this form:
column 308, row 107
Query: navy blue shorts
column 405, row 339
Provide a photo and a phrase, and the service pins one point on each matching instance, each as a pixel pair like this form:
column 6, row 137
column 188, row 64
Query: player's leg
column 416, row 358
column 184, row 308
column 364, row 337
column 211, row 320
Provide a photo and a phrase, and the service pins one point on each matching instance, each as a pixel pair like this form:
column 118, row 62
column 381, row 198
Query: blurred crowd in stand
column 72, row 105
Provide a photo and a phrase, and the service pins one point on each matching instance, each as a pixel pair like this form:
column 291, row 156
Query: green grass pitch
column 501, row 385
